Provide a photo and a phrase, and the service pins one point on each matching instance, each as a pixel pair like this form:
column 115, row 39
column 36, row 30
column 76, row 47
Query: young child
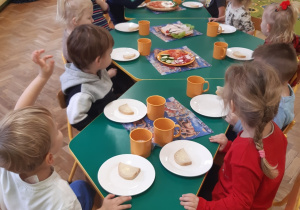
column 86, row 83
column 282, row 57
column 237, row 15
column 100, row 7
column 254, row 163
column 216, row 8
column 29, row 139
column 277, row 25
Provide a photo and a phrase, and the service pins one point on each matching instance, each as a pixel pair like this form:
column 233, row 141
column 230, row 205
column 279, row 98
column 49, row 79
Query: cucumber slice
column 171, row 58
column 164, row 60
column 164, row 55
column 169, row 61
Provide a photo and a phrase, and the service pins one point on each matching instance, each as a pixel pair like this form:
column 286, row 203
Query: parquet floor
column 30, row 26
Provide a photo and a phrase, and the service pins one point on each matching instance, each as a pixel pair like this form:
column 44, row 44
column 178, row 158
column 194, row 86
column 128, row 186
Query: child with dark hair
column 86, row 83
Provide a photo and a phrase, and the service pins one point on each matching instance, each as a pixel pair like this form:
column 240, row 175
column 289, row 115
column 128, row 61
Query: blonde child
column 282, row 57
column 29, row 139
column 237, row 15
column 254, row 163
column 277, row 25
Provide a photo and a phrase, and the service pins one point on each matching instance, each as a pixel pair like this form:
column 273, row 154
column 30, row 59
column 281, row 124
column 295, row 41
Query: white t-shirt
column 51, row 194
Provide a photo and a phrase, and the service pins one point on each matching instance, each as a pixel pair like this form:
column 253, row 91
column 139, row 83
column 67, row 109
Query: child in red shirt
column 255, row 161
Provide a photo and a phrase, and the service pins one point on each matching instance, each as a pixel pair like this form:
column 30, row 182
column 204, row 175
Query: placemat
column 165, row 69
column 158, row 12
column 157, row 32
column 191, row 126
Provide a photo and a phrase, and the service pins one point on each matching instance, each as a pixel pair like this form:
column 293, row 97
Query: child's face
column 86, row 17
column 56, row 138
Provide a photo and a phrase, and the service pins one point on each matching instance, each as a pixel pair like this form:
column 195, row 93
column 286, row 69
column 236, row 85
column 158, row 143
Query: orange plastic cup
column 195, row 85
column 141, row 142
column 164, row 131
column 220, row 49
column 178, row 1
column 213, row 29
column 144, row 27
column 155, row 107
column 144, row 46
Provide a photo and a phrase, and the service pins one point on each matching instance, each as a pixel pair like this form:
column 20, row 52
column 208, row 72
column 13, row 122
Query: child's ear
column 74, row 21
column 98, row 60
column 232, row 107
column 268, row 27
column 49, row 159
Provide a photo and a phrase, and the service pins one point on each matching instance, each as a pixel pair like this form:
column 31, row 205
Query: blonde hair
column 281, row 22
column 25, row 139
column 253, row 89
column 69, row 9
column 245, row 3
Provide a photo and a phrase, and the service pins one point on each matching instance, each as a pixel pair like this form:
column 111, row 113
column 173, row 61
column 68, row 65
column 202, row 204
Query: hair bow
column 284, row 5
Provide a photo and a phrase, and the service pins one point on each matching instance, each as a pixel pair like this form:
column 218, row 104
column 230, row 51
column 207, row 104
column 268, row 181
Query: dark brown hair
column 281, row 56
column 86, row 43
column 253, row 89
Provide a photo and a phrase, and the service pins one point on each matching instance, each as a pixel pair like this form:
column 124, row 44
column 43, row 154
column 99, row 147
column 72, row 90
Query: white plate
column 111, row 111
column 227, row 29
column 110, row 180
column 127, row 27
column 209, row 105
column 201, row 158
column 245, row 51
column 117, row 54
column 192, row 4
column 142, row 5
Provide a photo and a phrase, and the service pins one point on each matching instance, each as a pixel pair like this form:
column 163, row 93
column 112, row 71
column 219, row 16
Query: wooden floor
column 30, row 26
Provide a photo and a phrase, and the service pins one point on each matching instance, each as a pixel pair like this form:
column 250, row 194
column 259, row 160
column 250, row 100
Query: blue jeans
column 84, row 192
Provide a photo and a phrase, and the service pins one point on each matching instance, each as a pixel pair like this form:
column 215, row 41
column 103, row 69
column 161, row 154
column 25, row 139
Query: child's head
column 90, row 43
column 245, row 3
column 281, row 56
column 27, row 137
column 75, row 12
column 278, row 22
column 253, row 93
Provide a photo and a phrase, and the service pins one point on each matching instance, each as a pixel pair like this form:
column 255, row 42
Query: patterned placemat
column 165, row 69
column 157, row 12
column 157, row 32
column 191, row 126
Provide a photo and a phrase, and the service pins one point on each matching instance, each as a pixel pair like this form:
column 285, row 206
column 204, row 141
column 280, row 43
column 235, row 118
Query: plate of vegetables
column 177, row 30
column 176, row 57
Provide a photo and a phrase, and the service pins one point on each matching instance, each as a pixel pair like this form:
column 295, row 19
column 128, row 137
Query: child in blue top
column 282, row 57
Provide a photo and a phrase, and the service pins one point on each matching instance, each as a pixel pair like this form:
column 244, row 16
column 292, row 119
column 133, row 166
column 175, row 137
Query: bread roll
column 182, row 158
column 133, row 28
column 128, row 55
column 238, row 54
column 125, row 109
column 219, row 91
column 194, row 5
column 127, row 171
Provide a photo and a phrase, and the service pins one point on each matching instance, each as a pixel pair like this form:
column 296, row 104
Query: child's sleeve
column 238, row 127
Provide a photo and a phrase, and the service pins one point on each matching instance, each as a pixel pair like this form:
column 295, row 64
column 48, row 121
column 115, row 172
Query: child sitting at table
column 254, row 163
column 277, row 25
column 237, row 15
column 100, row 7
column 29, row 139
column 86, row 83
column 282, row 57
column 216, row 8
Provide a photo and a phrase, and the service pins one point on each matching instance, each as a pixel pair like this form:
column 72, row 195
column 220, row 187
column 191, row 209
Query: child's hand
column 231, row 118
column 189, row 201
column 46, row 68
column 212, row 19
column 111, row 203
column 112, row 72
column 221, row 139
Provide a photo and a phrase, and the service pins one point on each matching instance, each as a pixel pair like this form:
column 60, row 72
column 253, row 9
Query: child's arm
column 219, row 19
column 112, row 72
column 221, row 139
column 189, row 201
column 222, row 11
column 111, row 203
column 31, row 93
column 103, row 5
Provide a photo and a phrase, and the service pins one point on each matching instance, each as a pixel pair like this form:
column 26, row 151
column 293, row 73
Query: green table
column 103, row 139
column 141, row 68
column 144, row 13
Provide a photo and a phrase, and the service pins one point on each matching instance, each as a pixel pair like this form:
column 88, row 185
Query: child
column 86, row 83
column 216, row 8
column 237, row 15
column 254, row 163
column 282, row 57
column 100, row 7
column 277, row 25
column 29, row 139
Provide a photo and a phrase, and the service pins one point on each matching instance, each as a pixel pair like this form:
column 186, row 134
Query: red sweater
column 242, row 183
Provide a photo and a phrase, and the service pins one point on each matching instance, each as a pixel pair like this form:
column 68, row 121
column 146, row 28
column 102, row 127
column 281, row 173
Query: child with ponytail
column 254, row 163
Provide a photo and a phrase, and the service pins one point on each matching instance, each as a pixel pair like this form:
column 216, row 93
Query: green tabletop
column 103, row 139
column 141, row 68
column 144, row 13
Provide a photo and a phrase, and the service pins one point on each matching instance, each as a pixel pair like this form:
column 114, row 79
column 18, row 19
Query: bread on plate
column 182, row 158
column 127, row 171
column 126, row 109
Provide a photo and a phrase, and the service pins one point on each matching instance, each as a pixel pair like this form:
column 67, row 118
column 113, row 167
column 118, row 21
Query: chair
column 62, row 104
column 288, row 128
column 292, row 200
column 256, row 22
